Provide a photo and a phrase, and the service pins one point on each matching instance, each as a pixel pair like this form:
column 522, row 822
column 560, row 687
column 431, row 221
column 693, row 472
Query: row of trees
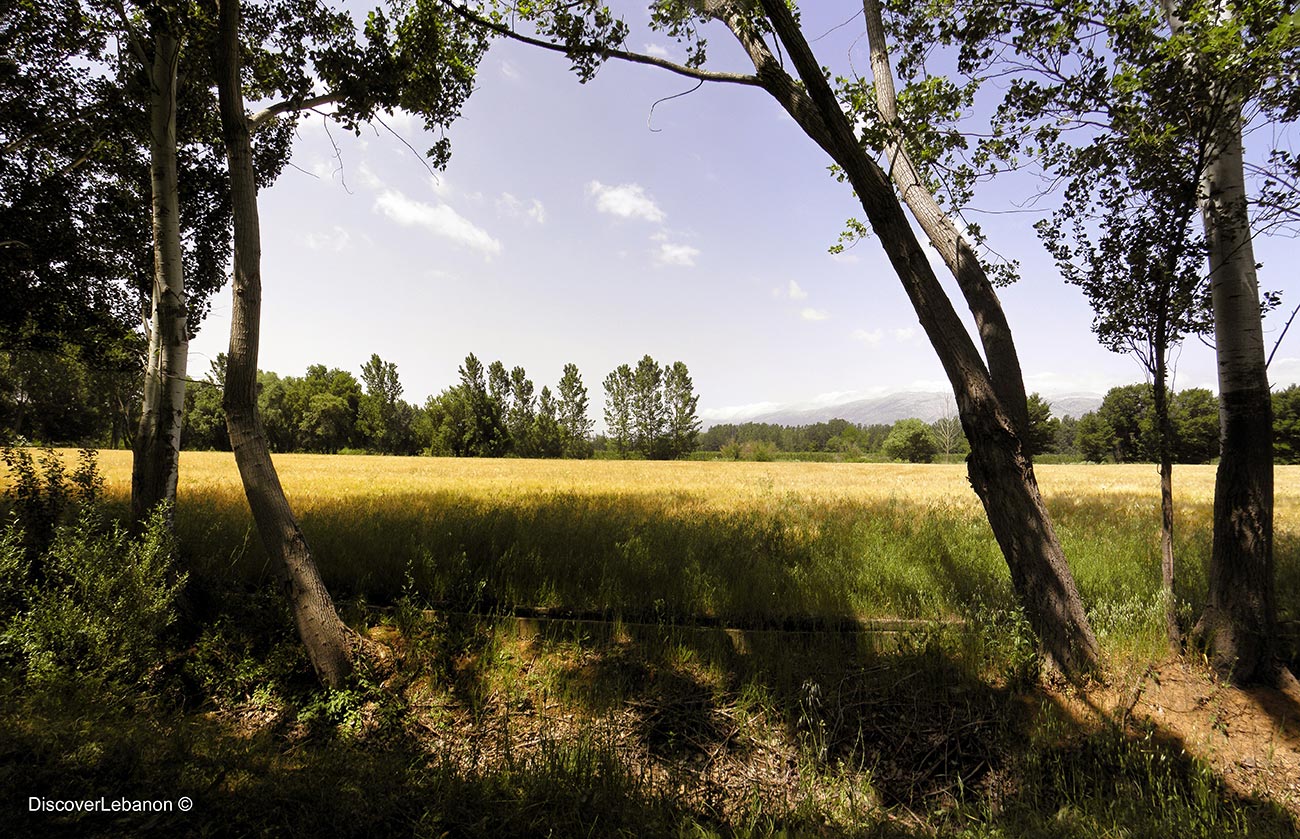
column 490, row 413
column 495, row 413
column 652, row 410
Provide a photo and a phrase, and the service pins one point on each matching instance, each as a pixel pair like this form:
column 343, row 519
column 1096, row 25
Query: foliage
column 499, row 415
column 652, row 410
column 1286, row 425
column 1043, row 426
column 1096, row 438
column 911, row 440
column 80, row 598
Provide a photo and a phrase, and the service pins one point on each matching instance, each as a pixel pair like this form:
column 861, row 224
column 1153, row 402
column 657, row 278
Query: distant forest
column 56, row 398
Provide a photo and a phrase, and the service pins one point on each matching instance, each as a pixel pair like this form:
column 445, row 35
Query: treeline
column 1121, row 430
column 495, row 413
column 492, row 412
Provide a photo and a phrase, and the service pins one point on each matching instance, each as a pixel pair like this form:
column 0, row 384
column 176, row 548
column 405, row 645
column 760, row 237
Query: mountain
column 926, row 405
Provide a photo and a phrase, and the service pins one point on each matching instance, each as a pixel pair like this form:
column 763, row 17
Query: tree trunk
column 1000, row 472
column 1165, row 433
column 331, row 645
column 1238, row 623
column 158, row 440
column 956, row 252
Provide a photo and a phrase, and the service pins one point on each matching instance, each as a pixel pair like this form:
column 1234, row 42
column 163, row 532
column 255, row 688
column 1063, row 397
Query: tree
column 380, row 412
column 1286, row 425
column 1127, row 411
column 486, row 435
column 990, row 394
column 649, row 413
column 619, row 388
column 546, row 434
column 1184, row 75
column 447, row 62
column 1042, row 426
column 330, row 644
column 1195, row 416
column 681, row 401
column 1096, row 438
column 911, row 440
column 948, row 435
column 521, row 417
column 571, row 410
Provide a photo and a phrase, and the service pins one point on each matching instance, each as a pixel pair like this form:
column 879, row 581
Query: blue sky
column 573, row 226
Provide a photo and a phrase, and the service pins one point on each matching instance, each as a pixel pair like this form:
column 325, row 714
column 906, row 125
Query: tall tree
column 619, row 389
column 990, row 396
column 649, row 414
column 571, row 410
column 330, row 644
column 1194, row 73
column 522, row 414
column 1141, row 275
column 681, row 402
column 430, row 69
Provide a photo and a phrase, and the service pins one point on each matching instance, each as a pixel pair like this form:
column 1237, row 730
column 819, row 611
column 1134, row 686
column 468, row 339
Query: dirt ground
column 1250, row 736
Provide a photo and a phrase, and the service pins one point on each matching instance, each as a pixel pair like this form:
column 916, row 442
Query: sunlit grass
column 755, row 543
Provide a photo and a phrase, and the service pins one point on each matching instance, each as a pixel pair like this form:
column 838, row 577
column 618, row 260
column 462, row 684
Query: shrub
column 911, row 440
column 85, row 600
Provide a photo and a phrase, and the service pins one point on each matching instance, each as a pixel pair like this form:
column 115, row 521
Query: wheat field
column 738, row 541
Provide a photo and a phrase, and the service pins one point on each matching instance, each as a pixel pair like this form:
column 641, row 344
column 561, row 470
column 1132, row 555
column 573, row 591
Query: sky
column 588, row 224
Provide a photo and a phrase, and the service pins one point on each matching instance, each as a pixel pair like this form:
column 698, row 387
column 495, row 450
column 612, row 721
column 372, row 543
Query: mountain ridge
column 889, row 408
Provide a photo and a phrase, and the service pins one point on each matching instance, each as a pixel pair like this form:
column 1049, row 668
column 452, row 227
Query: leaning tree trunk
column 1000, row 471
column 330, row 644
column 957, row 253
column 1238, row 623
column 158, row 439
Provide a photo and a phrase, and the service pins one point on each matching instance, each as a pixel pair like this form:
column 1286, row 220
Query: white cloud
column 368, row 178
column 671, row 254
column 871, row 338
column 814, row 314
column 510, row 206
column 335, row 240
column 795, row 292
column 441, row 220
column 846, row 258
column 657, row 50
column 510, row 71
column 904, row 334
column 625, row 201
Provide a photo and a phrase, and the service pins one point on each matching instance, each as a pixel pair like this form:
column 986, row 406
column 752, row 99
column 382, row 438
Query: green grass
column 654, row 721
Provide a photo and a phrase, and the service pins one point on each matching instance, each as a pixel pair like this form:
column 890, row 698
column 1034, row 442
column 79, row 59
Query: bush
column 83, row 600
column 911, row 440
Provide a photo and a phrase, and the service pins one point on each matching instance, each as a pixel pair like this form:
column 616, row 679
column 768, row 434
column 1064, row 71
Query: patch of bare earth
column 1249, row 736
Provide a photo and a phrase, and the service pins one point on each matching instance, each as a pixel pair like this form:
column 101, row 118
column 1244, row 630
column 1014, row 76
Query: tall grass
column 748, row 543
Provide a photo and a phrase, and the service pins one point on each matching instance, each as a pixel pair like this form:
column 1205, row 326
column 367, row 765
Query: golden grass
column 310, row 479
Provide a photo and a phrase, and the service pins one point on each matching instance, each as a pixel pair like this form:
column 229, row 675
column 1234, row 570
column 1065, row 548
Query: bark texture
column 331, row 645
column 1000, row 471
column 156, row 450
column 1239, row 621
column 1239, row 624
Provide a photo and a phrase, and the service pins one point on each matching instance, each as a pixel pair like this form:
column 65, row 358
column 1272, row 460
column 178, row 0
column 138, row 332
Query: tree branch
column 604, row 52
column 265, row 115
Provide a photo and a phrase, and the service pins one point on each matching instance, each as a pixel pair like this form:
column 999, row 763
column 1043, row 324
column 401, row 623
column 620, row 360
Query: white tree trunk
column 157, row 443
